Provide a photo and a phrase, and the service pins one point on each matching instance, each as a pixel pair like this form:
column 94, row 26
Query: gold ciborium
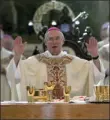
column 48, row 87
column 67, row 90
column 30, row 93
column 99, row 92
column 107, row 93
column 102, row 93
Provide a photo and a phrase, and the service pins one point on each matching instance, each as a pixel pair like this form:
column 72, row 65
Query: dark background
column 25, row 9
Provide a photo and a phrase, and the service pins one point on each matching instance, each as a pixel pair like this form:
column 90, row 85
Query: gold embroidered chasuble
column 69, row 70
column 56, row 72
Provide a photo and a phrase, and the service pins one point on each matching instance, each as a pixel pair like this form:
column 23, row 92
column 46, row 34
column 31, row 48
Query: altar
column 42, row 110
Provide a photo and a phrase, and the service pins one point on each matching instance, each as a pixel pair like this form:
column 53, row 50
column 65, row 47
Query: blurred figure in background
column 104, row 50
column 6, row 56
column 7, row 42
column 104, row 35
column 104, row 56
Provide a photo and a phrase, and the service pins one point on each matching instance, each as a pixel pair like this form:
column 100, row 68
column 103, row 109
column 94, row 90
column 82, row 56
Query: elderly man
column 54, row 65
column 6, row 56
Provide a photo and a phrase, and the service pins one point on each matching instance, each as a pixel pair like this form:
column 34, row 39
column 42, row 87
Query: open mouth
column 54, row 46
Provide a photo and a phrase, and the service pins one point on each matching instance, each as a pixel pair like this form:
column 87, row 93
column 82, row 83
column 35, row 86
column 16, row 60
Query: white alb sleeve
column 98, row 75
column 13, row 72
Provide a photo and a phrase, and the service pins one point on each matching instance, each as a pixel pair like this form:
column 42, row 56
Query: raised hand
column 92, row 47
column 18, row 49
column 18, row 46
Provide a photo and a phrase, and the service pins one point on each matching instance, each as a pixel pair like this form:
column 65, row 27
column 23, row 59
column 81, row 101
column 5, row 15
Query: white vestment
column 5, row 89
column 103, row 42
column 78, row 73
column 104, row 55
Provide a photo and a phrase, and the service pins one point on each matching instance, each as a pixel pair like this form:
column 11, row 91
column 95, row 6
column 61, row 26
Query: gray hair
column 47, row 33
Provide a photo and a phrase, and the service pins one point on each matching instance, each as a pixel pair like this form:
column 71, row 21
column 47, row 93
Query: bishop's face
column 54, row 42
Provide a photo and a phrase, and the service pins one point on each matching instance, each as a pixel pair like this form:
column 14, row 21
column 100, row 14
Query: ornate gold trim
column 56, row 71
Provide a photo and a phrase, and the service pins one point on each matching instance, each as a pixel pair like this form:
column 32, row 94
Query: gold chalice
column 48, row 87
column 30, row 92
column 99, row 92
column 102, row 93
column 67, row 90
column 107, row 93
